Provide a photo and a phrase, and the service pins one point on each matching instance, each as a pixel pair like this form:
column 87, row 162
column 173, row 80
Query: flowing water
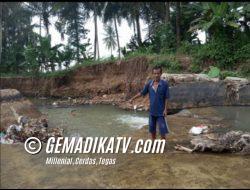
column 173, row 170
column 237, row 117
column 95, row 120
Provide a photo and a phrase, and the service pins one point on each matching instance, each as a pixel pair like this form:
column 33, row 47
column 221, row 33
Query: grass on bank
column 169, row 62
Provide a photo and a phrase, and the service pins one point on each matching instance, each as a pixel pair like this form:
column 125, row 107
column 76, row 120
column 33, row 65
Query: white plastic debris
column 196, row 130
column 135, row 107
column 4, row 140
column 22, row 120
column 14, row 127
column 55, row 104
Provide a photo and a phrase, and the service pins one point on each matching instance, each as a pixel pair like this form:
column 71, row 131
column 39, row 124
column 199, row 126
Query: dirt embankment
column 89, row 81
column 114, row 83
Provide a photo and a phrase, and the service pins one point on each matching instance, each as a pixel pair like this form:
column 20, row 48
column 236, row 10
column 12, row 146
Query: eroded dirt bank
column 114, row 83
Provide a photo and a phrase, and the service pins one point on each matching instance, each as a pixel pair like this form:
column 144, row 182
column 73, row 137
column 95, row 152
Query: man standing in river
column 158, row 94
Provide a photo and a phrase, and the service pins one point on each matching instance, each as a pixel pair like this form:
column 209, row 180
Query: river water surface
column 170, row 170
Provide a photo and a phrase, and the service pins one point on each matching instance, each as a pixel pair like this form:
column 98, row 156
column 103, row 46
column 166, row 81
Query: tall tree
column 45, row 15
column 72, row 17
column 44, row 10
column 96, row 50
column 16, row 33
column 96, row 8
column 154, row 16
column 178, row 21
column 1, row 30
column 167, row 18
column 109, row 37
column 112, row 13
column 132, row 13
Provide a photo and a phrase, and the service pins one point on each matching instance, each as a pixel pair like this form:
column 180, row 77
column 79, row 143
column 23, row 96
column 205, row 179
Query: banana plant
column 216, row 16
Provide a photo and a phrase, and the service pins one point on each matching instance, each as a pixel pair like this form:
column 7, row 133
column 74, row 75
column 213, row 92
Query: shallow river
column 95, row 120
column 237, row 117
column 173, row 170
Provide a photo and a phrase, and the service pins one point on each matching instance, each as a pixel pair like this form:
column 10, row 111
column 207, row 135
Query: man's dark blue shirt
column 157, row 99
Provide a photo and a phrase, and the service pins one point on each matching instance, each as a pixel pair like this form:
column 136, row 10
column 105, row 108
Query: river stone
column 198, row 94
column 10, row 94
column 184, row 113
column 184, row 78
column 236, row 79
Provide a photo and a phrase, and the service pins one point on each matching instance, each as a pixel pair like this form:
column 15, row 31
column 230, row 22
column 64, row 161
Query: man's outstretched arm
column 136, row 96
column 142, row 93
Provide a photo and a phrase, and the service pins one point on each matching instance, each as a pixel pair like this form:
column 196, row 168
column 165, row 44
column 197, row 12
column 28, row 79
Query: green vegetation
column 214, row 72
column 171, row 36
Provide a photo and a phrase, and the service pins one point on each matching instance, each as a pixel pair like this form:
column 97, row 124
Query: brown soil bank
column 116, row 82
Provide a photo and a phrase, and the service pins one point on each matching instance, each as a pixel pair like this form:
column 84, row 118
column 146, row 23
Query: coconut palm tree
column 109, row 37
column 112, row 12
column 71, row 20
column 44, row 10
column 132, row 12
column 96, row 8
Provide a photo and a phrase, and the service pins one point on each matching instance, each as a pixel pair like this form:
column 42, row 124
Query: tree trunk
column 97, row 45
column 40, row 33
column 167, row 18
column 96, row 48
column 77, row 41
column 178, row 35
column 137, row 20
column 206, row 36
column 52, row 66
column 60, row 66
column 133, row 21
column 1, row 30
column 46, row 17
column 40, row 25
column 117, row 37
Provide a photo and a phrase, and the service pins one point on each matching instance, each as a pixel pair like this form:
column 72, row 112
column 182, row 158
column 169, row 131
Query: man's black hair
column 157, row 67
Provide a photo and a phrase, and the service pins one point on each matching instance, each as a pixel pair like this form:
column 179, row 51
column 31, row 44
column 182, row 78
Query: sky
column 124, row 31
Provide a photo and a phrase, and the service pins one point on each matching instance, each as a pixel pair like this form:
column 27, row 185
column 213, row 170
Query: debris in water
column 55, row 104
column 232, row 141
column 22, row 120
column 196, row 130
column 29, row 128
